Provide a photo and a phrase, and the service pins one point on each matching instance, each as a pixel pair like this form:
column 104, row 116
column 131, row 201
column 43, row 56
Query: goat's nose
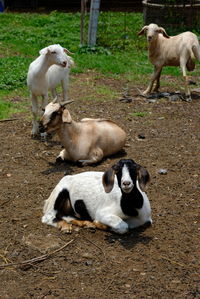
column 149, row 37
column 126, row 183
column 64, row 63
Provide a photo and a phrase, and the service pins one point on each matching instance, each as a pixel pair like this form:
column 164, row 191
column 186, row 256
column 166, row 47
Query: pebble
column 162, row 171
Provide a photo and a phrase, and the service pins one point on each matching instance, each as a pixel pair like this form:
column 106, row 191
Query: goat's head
column 127, row 172
column 57, row 55
column 151, row 31
column 54, row 114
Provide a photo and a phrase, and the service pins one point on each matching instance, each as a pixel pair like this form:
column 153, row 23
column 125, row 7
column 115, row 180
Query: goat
column 114, row 199
column 164, row 50
column 86, row 141
column 44, row 73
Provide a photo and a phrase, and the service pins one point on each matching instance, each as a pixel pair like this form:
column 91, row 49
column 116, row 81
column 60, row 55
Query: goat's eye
column 53, row 115
column 53, row 52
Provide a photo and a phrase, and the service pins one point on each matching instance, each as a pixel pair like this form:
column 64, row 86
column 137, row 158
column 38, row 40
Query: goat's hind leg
column 183, row 62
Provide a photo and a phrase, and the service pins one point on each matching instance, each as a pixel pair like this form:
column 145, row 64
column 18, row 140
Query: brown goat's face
column 52, row 117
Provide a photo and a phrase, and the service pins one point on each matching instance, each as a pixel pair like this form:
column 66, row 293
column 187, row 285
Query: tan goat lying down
column 86, row 141
column 164, row 50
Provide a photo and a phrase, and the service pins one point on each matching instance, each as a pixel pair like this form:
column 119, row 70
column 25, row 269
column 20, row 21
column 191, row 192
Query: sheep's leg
column 187, row 89
column 35, row 127
column 157, row 86
column 64, row 84
column 156, row 74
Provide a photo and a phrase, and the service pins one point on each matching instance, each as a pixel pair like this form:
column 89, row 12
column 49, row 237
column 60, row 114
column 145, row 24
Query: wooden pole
column 93, row 24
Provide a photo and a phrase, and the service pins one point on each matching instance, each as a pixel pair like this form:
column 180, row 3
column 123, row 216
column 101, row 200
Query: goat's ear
column 164, row 33
column 66, row 117
column 143, row 177
column 67, row 51
column 143, row 30
column 108, row 179
column 44, row 51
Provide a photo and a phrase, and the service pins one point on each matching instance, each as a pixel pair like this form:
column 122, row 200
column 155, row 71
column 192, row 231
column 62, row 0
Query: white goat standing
column 86, row 141
column 46, row 72
column 119, row 203
column 165, row 50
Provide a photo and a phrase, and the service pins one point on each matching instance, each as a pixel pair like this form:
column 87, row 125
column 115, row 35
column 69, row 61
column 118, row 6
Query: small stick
column 36, row 259
column 8, row 119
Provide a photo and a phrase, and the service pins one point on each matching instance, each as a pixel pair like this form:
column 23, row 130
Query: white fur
column 103, row 207
column 45, row 73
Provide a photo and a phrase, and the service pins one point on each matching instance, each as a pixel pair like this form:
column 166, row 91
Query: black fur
column 133, row 200
column 63, row 205
column 81, row 209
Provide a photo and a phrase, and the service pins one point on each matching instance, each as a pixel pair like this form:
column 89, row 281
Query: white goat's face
column 56, row 55
column 51, row 117
column 127, row 183
column 151, row 31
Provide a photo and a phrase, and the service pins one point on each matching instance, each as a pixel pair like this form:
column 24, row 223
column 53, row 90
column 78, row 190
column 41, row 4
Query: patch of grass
column 140, row 114
column 119, row 53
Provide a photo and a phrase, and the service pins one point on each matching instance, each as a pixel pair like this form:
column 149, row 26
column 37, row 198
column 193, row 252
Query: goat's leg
column 89, row 224
column 114, row 222
column 35, row 123
column 155, row 75
column 65, row 84
column 64, row 155
column 157, row 86
column 96, row 155
column 44, row 102
column 54, row 93
column 187, row 89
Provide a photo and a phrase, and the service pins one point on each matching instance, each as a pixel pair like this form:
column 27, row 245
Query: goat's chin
column 127, row 190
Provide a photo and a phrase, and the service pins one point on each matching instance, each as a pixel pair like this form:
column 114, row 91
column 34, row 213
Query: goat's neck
column 43, row 64
column 69, row 133
column 131, row 201
column 154, row 47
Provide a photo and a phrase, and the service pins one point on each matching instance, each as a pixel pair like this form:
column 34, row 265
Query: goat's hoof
column 188, row 99
column 59, row 160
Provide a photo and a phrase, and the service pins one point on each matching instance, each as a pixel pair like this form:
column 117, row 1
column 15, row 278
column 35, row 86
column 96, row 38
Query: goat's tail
column 196, row 51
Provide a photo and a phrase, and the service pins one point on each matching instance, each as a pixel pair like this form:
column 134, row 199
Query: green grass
column 120, row 52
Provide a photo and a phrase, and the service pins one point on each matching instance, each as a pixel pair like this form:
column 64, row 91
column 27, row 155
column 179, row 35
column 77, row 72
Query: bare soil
column 161, row 261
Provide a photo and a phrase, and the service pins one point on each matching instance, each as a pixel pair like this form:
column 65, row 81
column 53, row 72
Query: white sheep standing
column 86, row 141
column 45, row 73
column 164, row 50
column 120, row 203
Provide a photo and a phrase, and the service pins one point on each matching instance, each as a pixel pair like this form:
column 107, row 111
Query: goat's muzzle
column 42, row 128
column 64, row 64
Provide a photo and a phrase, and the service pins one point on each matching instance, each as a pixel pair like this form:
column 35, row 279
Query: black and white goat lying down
column 119, row 203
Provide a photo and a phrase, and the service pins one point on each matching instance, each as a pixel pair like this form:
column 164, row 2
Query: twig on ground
column 8, row 119
column 36, row 259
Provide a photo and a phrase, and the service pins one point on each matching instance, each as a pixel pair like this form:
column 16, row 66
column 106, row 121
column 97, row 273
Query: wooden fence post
column 93, row 24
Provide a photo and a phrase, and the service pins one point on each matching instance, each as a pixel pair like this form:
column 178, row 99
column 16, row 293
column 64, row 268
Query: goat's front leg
column 35, row 123
column 114, row 222
column 155, row 76
column 65, row 84
column 96, row 155
column 64, row 155
column 187, row 89
column 157, row 86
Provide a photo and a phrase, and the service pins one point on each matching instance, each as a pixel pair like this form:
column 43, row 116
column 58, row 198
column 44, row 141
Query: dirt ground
column 161, row 261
